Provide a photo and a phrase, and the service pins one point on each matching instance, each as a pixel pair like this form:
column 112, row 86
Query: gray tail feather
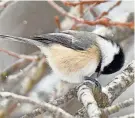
column 20, row 39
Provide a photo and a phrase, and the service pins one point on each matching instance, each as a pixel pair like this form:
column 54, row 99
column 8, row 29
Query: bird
column 76, row 55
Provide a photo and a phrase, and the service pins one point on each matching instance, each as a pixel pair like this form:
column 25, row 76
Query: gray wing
column 78, row 40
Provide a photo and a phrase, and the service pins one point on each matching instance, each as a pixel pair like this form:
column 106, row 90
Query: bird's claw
column 93, row 81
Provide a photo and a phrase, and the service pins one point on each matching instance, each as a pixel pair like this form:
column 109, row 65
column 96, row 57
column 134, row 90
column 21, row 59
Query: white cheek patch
column 108, row 50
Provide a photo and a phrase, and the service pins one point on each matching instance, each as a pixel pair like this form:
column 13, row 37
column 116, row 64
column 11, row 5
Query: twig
column 5, row 3
column 67, row 3
column 22, row 73
column 115, row 108
column 81, row 113
column 107, row 22
column 110, row 9
column 127, row 116
column 34, row 113
column 21, row 63
column 81, row 10
column 57, row 21
column 17, row 78
column 93, row 11
column 58, row 102
column 35, row 74
column 51, row 108
column 31, row 58
column 117, row 33
column 104, row 21
column 12, row 85
column 115, row 88
column 63, row 12
column 29, row 81
column 15, row 84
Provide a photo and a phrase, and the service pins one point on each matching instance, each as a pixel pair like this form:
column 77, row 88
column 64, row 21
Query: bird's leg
column 93, row 81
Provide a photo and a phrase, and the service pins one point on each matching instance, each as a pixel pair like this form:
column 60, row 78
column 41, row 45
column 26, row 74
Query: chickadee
column 74, row 55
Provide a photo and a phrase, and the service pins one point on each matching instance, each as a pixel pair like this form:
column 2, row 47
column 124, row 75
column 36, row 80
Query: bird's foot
column 93, row 82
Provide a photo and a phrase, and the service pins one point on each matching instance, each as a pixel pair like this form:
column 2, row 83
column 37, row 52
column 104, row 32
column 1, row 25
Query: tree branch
column 110, row 9
column 5, row 3
column 127, row 116
column 31, row 58
column 51, row 108
column 57, row 21
column 58, row 102
column 30, row 79
column 117, row 33
column 104, row 21
column 21, row 63
column 115, row 108
column 67, row 3
column 85, row 95
column 115, row 88
column 112, row 90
